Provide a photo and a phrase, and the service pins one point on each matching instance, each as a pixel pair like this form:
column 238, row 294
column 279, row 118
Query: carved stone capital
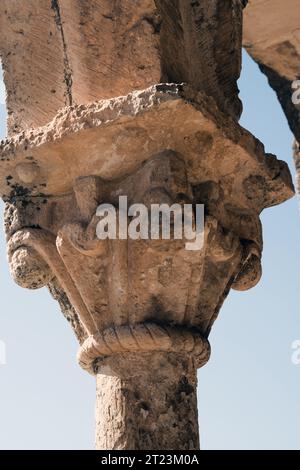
column 141, row 308
column 167, row 144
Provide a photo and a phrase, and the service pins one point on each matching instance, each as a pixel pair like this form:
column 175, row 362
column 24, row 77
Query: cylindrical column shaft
column 147, row 401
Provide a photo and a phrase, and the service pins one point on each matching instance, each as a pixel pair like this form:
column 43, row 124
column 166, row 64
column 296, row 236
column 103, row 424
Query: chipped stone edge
column 74, row 119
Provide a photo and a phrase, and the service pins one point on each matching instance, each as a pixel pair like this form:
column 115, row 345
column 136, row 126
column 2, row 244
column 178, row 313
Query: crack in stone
column 68, row 73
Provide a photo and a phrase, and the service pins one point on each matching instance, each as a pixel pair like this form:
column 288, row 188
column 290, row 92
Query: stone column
column 142, row 309
column 147, row 401
column 272, row 38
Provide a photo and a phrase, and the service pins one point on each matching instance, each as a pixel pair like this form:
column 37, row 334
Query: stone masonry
column 135, row 98
column 272, row 38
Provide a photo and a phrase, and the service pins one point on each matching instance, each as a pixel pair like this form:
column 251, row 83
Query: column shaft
column 147, row 401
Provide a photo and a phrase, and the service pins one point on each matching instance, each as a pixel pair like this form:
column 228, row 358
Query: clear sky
column 249, row 393
column 2, row 92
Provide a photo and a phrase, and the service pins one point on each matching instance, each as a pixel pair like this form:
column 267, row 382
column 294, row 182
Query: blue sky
column 2, row 107
column 249, row 391
column 2, row 92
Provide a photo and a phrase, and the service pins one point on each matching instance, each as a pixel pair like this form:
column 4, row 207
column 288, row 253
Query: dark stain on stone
column 184, row 386
column 144, row 406
column 18, row 191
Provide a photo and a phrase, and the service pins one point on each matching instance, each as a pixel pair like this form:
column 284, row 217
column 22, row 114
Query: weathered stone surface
column 68, row 51
column 272, row 35
column 272, row 38
column 32, row 55
column 142, row 309
column 96, row 275
column 64, row 52
column 129, row 130
column 141, row 411
column 144, row 337
column 54, row 213
column 207, row 38
column 112, row 46
column 165, row 144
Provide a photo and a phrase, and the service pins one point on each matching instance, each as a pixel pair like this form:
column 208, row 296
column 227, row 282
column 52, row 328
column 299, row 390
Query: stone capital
column 154, row 146
column 100, row 125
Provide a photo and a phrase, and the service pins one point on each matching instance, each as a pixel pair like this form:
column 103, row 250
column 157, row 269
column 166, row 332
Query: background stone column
column 272, row 38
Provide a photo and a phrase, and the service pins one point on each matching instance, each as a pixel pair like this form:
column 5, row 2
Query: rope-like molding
column 143, row 337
